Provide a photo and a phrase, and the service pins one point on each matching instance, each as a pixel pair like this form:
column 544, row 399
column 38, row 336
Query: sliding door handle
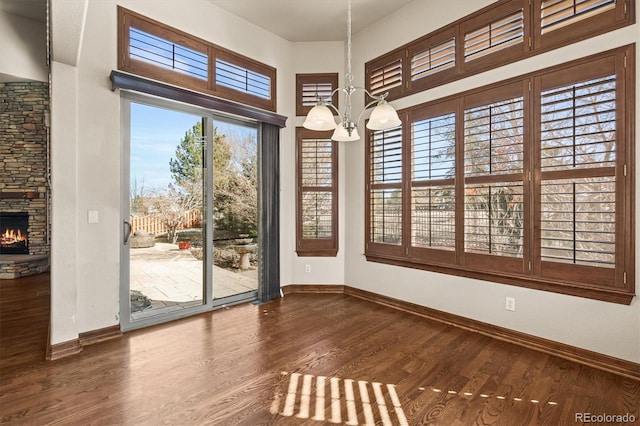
column 127, row 231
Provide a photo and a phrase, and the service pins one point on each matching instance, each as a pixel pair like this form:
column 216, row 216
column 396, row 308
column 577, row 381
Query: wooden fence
column 153, row 224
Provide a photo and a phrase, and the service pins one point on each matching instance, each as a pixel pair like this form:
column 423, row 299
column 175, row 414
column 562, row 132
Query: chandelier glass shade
column 321, row 116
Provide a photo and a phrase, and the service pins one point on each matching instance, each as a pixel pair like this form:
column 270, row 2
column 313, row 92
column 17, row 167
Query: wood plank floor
column 303, row 360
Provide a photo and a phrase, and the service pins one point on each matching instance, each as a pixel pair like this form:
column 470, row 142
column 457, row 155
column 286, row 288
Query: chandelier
column 321, row 117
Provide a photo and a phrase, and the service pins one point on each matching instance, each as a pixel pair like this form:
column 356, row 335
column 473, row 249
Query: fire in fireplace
column 14, row 233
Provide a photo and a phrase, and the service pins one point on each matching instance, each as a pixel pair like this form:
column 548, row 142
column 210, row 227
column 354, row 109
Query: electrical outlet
column 307, row 268
column 510, row 303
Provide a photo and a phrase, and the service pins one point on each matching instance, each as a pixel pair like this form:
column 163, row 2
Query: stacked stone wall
column 23, row 158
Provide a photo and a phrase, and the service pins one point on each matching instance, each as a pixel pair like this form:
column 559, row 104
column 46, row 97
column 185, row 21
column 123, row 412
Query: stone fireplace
column 24, row 188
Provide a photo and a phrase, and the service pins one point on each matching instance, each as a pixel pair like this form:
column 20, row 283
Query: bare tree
column 137, row 197
column 174, row 202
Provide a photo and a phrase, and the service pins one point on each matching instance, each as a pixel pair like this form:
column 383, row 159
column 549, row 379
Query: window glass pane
column 317, row 213
column 166, row 54
column 556, row 14
column 242, row 79
column 386, row 216
column 493, row 138
column 498, row 35
column 433, row 217
column 433, row 148
column 494, row 218
column 578, row 221
column 434, row 59
column 578, row 125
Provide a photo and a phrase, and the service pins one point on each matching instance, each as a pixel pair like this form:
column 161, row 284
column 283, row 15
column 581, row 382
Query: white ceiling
column 310, row 20
column 294, row 20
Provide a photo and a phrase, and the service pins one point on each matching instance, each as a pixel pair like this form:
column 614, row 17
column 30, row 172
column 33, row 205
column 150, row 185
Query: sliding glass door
column 235, row 209
column 190, row 211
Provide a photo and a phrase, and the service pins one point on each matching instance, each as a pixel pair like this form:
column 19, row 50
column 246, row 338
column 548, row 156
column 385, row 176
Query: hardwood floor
column 307, row 359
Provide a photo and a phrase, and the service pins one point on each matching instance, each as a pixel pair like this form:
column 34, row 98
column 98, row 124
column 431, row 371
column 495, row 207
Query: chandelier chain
column 321, row 116
column 349, row 76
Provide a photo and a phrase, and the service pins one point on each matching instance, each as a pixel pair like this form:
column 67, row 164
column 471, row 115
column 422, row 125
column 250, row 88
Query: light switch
column 92, row 216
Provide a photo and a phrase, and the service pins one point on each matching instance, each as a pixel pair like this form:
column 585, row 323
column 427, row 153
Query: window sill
column 317, row 253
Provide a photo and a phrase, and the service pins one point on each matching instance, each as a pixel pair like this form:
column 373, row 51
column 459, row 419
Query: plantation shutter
column 498, row 35
column 559, row 22
column 579, row 187
column 385, row 183
column 494, row 219
column 433, row 195
column 310, row 88
column 317, row 194
column 386, row 74
column 435, row 59
column 555, row 14
column 312, row 92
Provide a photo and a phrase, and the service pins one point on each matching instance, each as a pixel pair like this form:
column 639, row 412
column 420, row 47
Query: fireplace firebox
column 14, row 233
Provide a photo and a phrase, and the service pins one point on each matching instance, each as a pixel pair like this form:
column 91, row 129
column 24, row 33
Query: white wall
column 24, row 49
column 64, row 253
column 607, row 328
column 86, row 141
column 315, row 57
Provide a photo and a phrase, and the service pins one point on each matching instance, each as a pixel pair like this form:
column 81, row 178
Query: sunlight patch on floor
column 338, row 401
column 484, row 395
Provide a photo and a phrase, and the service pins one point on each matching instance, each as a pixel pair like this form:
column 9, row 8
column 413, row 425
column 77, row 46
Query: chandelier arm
column 371, row 95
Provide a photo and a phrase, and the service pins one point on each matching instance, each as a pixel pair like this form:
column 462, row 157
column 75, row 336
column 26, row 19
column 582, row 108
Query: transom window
column 242, row 79
column 434, row 59
column 555, row 14
column 164, row 53
column 152, row 49
column 501, row 33
column 495, row 36
column 310, row 88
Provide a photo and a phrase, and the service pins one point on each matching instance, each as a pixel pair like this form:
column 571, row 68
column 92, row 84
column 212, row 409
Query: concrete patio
column 172, row 279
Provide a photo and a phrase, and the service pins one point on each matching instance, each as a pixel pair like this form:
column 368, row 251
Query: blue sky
column 155, row 134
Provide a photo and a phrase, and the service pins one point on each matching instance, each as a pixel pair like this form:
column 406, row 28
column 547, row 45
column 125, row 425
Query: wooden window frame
column 128, row 18
column 316, row 247
column 534, row 42
column 615, row 285
column 315, row 78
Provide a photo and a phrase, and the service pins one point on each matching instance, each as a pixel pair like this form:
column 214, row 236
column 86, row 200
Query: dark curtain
column 270, row 213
